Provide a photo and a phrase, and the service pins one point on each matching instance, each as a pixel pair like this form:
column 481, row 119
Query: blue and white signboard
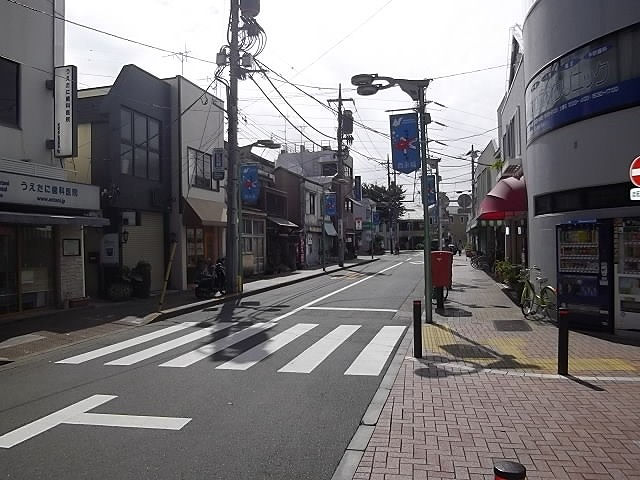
column 430, row 190
column 404, row 142
column 330, row 204
column 250, row 188
column 376, row 218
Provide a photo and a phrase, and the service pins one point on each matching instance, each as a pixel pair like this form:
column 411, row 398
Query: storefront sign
column 65, row 112
column 47, row 192
column 593, row 79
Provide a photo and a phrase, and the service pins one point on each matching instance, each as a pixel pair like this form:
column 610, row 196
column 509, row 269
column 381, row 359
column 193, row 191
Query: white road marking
column 129, row 421
column 211, row 348
column 163, row 347
column 313, row 356
column 76, row 414
column 263, row 350
column 345, row 309
column 373, row 357
column 100, row 352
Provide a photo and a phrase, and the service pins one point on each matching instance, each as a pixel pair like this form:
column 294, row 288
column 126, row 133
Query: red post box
column 441, row 267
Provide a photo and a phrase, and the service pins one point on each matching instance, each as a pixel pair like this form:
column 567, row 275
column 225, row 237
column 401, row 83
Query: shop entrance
column 27, row 268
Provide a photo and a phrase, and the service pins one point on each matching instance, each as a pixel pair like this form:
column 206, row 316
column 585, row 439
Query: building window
column 139, row 145
column 9, row 86
column 312, row 203
column 329, row 169
column 200, row 170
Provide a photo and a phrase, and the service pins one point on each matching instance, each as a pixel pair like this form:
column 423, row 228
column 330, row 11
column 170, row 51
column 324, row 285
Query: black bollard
column 563, row 341
column 417, row 329
column 507, row 470
column 439, row 298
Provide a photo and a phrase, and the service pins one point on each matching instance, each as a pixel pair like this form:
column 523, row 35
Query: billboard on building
column 65, row 118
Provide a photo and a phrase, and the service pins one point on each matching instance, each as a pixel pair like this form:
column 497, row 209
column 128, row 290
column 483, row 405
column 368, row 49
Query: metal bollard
column 439, row 298
column 563, row 341
column 508, row 470
column 417, row 329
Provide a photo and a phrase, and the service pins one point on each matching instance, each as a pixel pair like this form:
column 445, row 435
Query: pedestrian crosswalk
column 370, row 360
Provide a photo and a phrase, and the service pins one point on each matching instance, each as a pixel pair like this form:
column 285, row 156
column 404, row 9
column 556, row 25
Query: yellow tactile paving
column 509, row 354
column 434, row 336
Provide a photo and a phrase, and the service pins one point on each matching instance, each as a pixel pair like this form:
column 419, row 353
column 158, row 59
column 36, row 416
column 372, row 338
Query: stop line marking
column 345, row 309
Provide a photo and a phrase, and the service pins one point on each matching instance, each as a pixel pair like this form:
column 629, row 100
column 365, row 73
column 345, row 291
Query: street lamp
column 366, row 85
column 234, row 217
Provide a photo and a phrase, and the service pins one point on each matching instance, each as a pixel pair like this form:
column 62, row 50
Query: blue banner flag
column 404, row 142
column 376, row 218
column 430, row 189
column 357, row 188
column 330, row 204
column 250, row 188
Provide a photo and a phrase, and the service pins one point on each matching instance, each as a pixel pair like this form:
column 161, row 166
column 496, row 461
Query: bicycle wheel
column 527, row 302
column 549, row 302
column 478, row 261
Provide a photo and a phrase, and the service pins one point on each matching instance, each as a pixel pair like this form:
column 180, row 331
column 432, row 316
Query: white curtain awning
column 330, row 229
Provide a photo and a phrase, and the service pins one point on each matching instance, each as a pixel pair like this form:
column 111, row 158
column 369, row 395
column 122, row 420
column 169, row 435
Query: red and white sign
column 634, row 172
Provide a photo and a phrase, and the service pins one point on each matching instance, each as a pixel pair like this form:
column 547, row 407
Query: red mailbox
column 441, row 266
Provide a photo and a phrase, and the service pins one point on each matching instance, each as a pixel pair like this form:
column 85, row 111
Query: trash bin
column 141, row 279
column 441, row 267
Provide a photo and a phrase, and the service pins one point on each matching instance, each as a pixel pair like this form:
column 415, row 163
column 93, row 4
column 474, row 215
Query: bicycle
column 482, row 262
column 544, row 298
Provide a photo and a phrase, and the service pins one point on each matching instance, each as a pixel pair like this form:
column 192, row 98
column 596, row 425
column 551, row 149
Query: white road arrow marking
column 76, row 414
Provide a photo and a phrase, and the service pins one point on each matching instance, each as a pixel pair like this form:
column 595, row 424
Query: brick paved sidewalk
column 486, row 390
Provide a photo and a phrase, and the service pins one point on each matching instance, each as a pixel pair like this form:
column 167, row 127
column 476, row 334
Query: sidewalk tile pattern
column 487, row 390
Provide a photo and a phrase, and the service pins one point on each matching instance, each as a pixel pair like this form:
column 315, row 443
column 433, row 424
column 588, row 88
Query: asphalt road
column 273, row 387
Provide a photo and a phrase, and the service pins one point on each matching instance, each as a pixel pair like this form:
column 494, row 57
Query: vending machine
column 585, row 274
column 627, row 297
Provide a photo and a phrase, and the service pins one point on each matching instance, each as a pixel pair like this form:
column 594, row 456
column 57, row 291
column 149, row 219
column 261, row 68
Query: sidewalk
column 486, row 390
column 58, row 328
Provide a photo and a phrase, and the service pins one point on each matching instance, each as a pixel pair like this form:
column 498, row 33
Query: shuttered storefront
column 146, row 242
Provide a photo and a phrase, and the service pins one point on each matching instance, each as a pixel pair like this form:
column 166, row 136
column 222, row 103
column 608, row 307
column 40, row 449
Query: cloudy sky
column 463, row 45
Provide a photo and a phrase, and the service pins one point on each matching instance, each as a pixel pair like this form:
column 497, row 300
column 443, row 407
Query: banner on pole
column 430, row 189
column 404, row 142
column 330, row 204
column 249, row 182
column 357, row 188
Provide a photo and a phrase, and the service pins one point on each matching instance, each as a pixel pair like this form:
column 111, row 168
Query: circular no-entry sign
column 634, row 172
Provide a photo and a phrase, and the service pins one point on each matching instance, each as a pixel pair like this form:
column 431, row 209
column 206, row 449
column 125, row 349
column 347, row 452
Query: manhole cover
column 511, row 326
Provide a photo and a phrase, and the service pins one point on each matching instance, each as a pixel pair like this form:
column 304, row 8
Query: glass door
column 8, row 270
column 37, row 272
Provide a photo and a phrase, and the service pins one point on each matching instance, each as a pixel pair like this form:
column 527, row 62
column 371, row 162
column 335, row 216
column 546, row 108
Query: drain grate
column 511, row 326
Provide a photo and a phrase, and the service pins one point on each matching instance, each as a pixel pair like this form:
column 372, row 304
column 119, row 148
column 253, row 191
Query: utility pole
column 233, row 234
column 341, row 180
column 390, row 207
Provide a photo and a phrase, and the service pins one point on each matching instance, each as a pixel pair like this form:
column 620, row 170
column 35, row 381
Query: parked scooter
column 212, row 280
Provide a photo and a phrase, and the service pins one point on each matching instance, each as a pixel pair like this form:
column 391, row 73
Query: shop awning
column 507, row 198
column 209, row 214
column 282, row 222
column 43, row 219
column 330, row 229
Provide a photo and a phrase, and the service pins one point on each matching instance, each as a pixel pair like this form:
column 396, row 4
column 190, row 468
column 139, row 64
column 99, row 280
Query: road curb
column 192, row 307
column 350, row 460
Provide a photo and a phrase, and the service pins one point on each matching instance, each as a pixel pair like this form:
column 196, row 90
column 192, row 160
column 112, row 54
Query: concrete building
column 582, row 99
column 46, row 204
column 319, row 166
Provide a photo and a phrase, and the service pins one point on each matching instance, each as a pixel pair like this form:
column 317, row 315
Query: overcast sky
column 319, row 45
